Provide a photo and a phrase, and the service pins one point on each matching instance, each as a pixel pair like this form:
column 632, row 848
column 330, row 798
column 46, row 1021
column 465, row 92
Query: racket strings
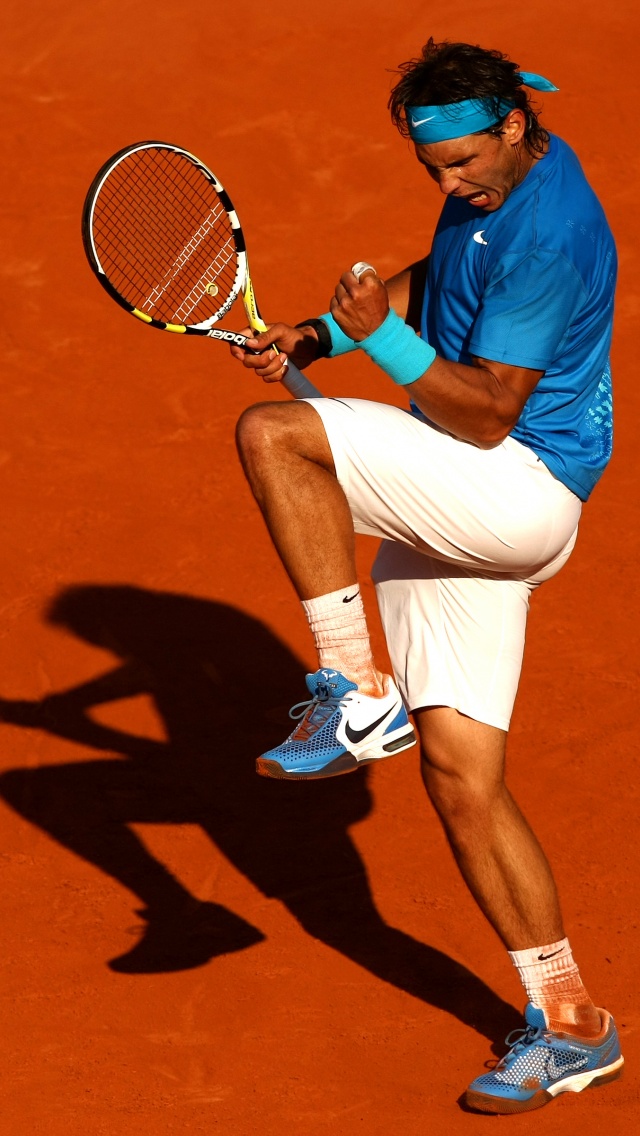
column 164, row 239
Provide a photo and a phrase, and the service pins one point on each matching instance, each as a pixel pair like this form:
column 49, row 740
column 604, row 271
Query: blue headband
column 429, row 124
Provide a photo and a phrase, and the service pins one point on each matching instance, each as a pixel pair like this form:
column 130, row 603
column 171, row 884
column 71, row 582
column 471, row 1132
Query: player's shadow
column 222, row 684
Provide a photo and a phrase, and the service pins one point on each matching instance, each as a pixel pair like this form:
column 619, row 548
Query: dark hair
column 451, row 72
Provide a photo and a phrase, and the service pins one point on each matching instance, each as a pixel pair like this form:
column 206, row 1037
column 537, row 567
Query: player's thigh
column 497, row 510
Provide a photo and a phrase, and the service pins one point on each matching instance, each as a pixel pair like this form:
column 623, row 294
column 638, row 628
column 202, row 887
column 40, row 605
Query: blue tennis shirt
column 532, row 285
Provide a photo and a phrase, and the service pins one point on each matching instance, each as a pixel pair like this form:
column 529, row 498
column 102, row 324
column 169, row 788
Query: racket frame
column 295, row 382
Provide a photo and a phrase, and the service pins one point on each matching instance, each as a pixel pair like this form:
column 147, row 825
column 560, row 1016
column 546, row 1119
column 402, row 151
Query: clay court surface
column 186, row 947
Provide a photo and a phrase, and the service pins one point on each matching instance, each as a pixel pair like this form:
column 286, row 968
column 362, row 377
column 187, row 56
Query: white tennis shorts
column 468, row 534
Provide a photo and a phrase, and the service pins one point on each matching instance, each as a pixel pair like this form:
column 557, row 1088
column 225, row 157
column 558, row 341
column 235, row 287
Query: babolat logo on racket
column 228, row 336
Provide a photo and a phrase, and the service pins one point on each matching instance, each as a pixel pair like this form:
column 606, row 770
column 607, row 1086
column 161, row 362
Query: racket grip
column 298, row 385
column 294, row 381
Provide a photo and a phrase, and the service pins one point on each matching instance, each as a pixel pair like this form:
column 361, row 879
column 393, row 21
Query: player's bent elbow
column 494, row 427
column 484, row 444
column 490, row 441
column 493, row 432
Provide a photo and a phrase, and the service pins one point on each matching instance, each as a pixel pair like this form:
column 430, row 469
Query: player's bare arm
column 480, row 403
column 405, row 291
column 301, row 345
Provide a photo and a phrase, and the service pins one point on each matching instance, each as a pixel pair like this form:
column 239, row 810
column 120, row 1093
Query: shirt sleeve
column 527, row 308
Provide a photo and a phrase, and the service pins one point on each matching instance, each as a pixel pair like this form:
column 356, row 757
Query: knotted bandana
column 429, row 124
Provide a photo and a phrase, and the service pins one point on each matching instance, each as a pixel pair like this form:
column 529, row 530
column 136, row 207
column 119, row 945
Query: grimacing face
column 481, row 168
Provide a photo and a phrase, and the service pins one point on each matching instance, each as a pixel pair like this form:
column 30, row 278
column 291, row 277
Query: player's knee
column 259, row 429
column 270, row 431
column 461, row 796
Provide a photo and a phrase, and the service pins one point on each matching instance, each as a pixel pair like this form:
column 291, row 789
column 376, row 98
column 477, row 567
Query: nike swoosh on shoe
column 356, row 736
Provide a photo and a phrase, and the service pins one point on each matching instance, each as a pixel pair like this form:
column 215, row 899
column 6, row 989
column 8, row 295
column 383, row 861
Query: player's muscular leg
column 288, row 463
column 499, row 856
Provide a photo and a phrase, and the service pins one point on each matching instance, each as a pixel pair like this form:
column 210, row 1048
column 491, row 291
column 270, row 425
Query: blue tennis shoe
column 541, row 1064
column 339, row 730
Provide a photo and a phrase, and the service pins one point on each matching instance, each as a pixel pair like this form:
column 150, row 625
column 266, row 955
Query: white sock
column 339, row 628
column 552, row 981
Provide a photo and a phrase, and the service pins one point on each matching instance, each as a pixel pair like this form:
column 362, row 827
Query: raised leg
column 288, row 464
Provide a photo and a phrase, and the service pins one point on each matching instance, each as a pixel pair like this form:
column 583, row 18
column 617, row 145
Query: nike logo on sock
column 348, row 599
column 358, row 735
column 543, row 958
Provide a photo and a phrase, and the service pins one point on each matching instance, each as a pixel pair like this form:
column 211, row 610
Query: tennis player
column 501, row 337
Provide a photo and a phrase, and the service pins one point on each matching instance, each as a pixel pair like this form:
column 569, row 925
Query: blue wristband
column 340, row 343
column 396, row 348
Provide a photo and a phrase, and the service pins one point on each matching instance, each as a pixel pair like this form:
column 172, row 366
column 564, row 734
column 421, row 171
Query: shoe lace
column 312, row 704
column 519, row 1040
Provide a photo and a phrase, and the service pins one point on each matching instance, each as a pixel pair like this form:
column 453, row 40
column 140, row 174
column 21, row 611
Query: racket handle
column 294, row 381
column 298, row 385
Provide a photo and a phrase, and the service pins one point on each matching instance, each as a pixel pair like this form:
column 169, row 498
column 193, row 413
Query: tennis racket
column 162, row 236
